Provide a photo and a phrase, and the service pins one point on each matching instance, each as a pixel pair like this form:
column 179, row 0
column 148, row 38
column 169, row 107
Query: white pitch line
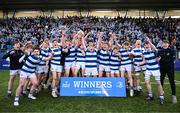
column 178, row 83
column 174, row 80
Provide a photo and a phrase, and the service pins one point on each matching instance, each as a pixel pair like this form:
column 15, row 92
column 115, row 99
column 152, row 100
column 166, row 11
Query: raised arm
column 74, row 38
column 100, row 35
column 152, row 45
column 110, row 42
column 83, row 43
column 8, row 54
column 87, row 35
column 63, row 38
column 41, row 45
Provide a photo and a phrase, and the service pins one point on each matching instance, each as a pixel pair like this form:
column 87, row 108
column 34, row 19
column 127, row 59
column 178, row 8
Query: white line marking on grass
column 177, row 83
column 174, row 80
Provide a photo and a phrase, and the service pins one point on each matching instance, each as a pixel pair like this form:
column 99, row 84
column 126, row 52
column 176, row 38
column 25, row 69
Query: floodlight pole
column 118, row 13
column 164, row 15
column 157, row 14
column 50, row 13
column 63, row 14
column 43, row 13
column 5, row 14
column 14, row 13
column 139, row 13
column 80, row 13
column 144, row 13
column 88, row 13
column 126, row 13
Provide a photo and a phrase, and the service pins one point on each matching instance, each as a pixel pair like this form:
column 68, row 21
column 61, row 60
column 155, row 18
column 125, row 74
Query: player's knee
column 12, row 78
column 158, row 82
column 21, row 85
column 138, row 77
column 54, row 78
column 35, row 83
column 107, row 74
column 147, row 82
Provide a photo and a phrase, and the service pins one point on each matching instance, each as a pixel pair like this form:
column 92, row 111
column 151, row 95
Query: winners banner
column 76, row 86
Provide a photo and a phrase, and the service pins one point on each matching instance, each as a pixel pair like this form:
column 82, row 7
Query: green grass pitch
column 45, row 103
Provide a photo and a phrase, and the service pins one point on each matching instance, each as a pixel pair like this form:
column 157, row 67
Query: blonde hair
column 80, row 32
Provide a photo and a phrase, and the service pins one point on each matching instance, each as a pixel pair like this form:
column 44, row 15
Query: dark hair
column 146, row 42
column 90, row 41
column 165, row 41
column 15, row 42
column 36, row 48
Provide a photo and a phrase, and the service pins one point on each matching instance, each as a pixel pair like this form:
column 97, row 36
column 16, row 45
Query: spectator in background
column 3, row 46
column 175, row 43
column 35, row 29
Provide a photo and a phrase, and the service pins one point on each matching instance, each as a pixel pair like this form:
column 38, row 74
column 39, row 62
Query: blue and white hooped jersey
column 151, row 61
column 103, row 57
column 125, row 59
column 31, row 63
column 138, row 52
column 114, row 62
column 91, row 59
column 56, row 59
column 72, row 55
column 79, row 55
column 44, row 53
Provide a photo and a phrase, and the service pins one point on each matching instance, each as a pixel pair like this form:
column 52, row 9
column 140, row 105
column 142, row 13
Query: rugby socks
column 54, row 89
column 9, row 91
column 139, row 88
column 16, row 99
column 30, row 94
column 150, row 95
column 132, row 88
column 24, row 92
column 135, row 88
column 161, row 97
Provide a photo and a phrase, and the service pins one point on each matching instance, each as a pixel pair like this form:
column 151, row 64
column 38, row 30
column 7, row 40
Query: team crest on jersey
column 168, row 54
